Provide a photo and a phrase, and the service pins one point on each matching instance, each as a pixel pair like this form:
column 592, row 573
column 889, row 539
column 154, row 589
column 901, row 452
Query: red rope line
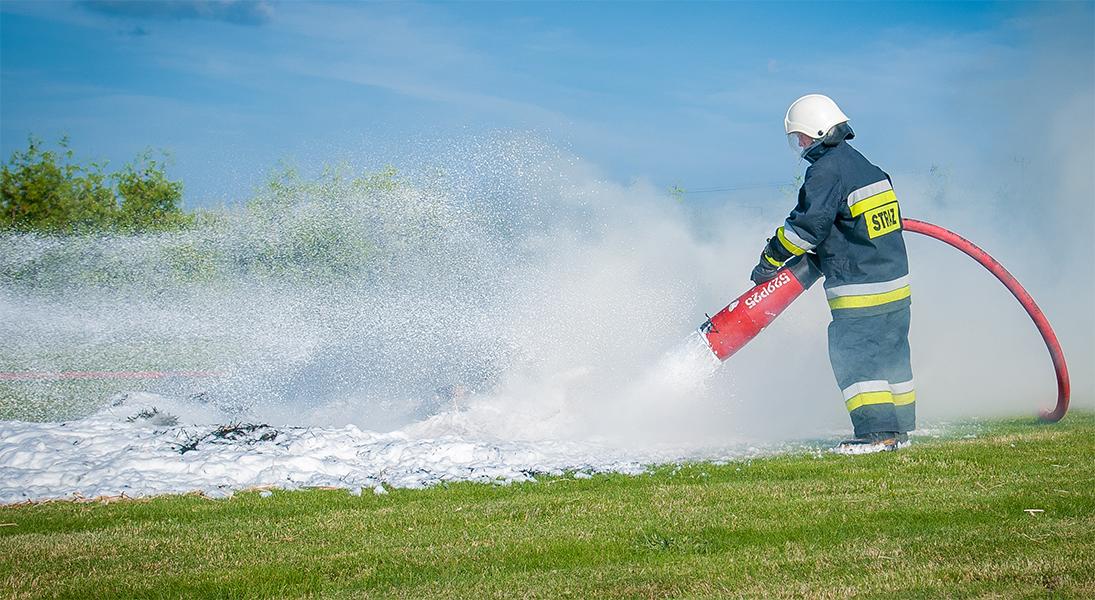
column 66, row 375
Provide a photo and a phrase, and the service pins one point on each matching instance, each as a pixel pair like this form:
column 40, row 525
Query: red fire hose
column 1024, row 298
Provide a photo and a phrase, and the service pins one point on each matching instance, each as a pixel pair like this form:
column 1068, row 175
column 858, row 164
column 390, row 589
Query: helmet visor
column 799, row 143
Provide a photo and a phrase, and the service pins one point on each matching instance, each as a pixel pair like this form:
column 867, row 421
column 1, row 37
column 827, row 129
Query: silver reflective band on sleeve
column 793, row 237
column 867, row 191
column 863, row 387
column 864, row 289
column 902, row 388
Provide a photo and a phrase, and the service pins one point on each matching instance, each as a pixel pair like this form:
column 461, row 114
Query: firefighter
column 848, row 219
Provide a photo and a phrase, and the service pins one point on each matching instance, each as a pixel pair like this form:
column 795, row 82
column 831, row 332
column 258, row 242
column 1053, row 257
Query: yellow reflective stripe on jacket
column 868, row 300
column 873, row 202
column 788, row 244
column 772, row 261
column 904, row 399
column 867, row 398
column 869, row 190
column 870, row 197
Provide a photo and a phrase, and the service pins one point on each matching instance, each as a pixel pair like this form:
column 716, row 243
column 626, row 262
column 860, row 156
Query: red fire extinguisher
column 734, row 326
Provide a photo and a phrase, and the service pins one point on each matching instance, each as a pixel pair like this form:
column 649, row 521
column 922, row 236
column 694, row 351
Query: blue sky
column 678, row 93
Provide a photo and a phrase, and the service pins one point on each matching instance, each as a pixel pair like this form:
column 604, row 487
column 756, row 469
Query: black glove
column 764, row 271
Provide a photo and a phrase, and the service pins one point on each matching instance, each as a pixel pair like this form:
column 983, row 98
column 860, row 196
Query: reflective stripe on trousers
column 870, row 359
column 863, row 393
column 868, row 295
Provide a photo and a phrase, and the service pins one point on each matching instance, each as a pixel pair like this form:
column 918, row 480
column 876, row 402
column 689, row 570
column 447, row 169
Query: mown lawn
column 944, row 518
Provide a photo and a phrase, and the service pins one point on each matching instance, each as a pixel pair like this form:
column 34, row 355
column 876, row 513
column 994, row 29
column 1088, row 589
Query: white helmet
column 813, row 115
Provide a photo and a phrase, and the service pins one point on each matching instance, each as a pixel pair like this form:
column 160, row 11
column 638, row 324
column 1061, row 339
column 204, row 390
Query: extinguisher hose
column 1024, row 298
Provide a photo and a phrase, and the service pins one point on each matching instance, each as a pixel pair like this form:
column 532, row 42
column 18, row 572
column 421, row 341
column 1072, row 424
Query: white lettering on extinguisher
column 784, row 277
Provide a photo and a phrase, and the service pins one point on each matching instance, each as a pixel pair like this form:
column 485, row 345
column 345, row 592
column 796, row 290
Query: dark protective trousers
column 870, row 358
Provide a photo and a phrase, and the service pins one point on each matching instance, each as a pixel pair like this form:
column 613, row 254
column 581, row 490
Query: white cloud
column 238, row 12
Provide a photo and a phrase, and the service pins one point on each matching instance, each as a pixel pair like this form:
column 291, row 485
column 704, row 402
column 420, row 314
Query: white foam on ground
column 100, row 456
column 143, row 446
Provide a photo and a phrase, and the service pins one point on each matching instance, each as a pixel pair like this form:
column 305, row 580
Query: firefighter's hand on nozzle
column 764, row 271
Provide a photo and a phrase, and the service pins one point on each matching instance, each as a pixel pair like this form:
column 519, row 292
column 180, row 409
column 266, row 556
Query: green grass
column 944, row 518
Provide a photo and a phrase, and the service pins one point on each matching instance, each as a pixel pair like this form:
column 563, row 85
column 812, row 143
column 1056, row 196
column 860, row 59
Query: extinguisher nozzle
column 708, row 326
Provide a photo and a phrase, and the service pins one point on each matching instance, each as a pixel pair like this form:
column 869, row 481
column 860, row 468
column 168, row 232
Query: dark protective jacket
column 848, row 215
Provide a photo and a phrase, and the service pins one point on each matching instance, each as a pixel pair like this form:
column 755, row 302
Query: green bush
column 149, row 200
column 47, row 191
column 317, row 228
column 336, row 226
column 42, row 190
